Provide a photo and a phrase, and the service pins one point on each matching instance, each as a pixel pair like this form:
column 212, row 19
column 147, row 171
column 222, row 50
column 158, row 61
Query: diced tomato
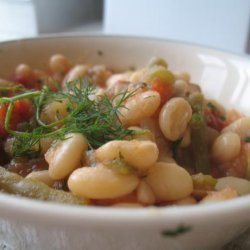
column 237, row 167
column 3, row 109
column 22, row 111
column 215, row 119
column 29, row 83
column 24, row 166
column 165, row 89
column 23, row 108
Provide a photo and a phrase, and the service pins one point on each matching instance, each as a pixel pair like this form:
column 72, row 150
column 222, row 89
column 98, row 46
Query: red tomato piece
column 165, row 89
column 215, row 119
column 22, row 111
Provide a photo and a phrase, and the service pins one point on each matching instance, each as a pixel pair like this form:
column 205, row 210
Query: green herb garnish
column 97, row 120
column 211, row 105
column 247, row 139
column 120, row 166
column 100, row 52
column 181, row 229
column 17, row 87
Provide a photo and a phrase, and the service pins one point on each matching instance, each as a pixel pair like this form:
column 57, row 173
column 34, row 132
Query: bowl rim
column 56, row 213
column 49, row 212
column 213, row 49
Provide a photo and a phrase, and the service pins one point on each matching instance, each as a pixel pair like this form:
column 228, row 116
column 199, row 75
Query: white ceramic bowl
column 27, row 224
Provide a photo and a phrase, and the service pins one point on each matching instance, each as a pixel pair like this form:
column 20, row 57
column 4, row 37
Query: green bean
column 202, row 184
column 199, row 145
column 15, row 184
column 120, row 166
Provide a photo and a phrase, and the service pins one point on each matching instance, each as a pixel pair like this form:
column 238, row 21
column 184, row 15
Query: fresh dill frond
column 96, row 118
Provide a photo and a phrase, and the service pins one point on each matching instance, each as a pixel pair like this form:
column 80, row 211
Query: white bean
column 54, row 111
column 240, row 127
column 66, row 155
column 59, row 64
column 145, row 194
column 77, row 72
column 174, row 118
column 137, row 75
column 99, row 74
column 140, row 154
column 45, row 144
column 226, row 147
column 182, row 76
column 139, row 106
column 242, row 186
column 101, row 183
column 169, row 181
column 180, row 88
column 24, row 71
column 116, row 78
column 42, row 176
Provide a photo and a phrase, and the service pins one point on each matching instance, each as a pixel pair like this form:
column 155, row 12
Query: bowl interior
column 222, row 76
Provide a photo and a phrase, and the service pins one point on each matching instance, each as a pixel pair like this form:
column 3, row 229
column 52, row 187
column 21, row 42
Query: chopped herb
column 211, row 105
column 100, row 52
column 222, row 118
column 197, row 118
column 202, row 181
column 132, row 67
column 247, row 139
column 120, row 166
column 181, row 229
column 18, row 87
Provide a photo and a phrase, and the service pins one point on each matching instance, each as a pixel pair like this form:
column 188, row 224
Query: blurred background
column 223, row 24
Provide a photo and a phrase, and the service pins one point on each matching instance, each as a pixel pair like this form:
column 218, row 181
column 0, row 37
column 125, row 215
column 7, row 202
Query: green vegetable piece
column 204, row 182
column 158, row 72
column 196, row 101
column 199, row 145
column 15, row 184
column 247, row 139
column 120, row 166
column 181, row 229
column 157, row 61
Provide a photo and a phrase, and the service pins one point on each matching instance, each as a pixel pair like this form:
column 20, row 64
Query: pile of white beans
column 155, row 178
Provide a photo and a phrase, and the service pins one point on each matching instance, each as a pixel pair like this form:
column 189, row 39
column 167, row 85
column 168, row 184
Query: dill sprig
column 17, row 87
column 96, row 118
